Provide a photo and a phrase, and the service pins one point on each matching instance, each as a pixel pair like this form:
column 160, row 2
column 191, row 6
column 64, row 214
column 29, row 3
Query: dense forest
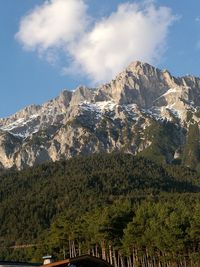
column 123, row 208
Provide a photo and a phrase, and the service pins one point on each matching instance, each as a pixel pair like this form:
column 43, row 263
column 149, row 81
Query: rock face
column 143, row 110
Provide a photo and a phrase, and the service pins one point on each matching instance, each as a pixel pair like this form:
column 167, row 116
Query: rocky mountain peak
column 140, row 83
column 82, row 94
column 141, row 68
column 112, row 117
column 65, row 97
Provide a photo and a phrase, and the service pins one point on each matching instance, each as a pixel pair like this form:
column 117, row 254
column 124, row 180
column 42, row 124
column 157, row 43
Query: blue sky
column 37, row 63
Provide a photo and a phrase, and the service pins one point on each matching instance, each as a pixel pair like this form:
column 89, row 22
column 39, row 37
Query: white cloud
column 100, row 51
column 132, row 32
column 53, row 24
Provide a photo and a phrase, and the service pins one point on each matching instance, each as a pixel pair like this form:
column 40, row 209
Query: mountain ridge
column 112, row 117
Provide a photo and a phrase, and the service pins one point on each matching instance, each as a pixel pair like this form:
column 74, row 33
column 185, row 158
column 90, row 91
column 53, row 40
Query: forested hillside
column 98, row 203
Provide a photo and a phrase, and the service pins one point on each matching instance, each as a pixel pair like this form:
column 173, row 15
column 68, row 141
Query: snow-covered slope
column 113, row 117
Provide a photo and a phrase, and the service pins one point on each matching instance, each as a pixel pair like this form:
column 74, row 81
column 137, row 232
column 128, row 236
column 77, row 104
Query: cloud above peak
column 130, row 33
column 53, row 24
column 98, row 49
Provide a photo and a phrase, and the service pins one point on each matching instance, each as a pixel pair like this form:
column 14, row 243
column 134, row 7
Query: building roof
column 83, row 261
column 47, row 257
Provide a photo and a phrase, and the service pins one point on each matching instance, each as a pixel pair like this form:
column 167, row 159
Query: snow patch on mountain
column 112, row 117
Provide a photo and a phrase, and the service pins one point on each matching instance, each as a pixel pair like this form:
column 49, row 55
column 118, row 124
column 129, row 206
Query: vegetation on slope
column 99, row 199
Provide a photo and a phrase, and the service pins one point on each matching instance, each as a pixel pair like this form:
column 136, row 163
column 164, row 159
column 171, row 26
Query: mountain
column 144, row 111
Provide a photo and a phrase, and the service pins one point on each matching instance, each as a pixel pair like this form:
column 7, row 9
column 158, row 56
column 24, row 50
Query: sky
column 48, row 46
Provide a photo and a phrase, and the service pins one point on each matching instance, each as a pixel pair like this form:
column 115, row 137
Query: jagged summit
column 140, row 83
column 142, row 68
column 112, row 117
